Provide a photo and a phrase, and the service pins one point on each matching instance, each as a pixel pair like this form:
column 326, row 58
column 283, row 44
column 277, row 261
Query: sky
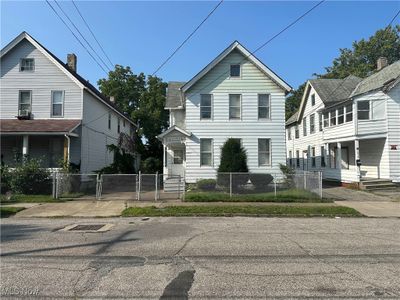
column 143, row 34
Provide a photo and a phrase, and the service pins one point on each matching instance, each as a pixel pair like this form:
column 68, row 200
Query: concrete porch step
column 377, row 184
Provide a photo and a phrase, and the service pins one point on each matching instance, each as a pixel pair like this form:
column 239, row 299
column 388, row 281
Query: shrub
column 30, row 178
column 206, row 184
column 5, row 180
column 233, row 159
column 261, row 181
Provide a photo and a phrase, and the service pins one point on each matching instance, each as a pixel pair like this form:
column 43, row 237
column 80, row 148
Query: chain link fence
column 82, row 186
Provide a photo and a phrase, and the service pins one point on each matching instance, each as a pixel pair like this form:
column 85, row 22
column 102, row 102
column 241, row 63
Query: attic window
column 27, row 64
column 235, row 71
column 312, row 99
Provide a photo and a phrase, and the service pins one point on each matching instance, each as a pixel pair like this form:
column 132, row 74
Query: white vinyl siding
column 57, row 103
column 47, row 77
column 235, row 106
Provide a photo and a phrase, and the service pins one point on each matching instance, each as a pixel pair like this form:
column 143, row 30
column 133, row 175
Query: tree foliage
column 360, row 61
column 143, row 99
column 233, row 157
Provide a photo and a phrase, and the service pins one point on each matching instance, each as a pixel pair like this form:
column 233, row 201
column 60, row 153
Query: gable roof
column 237, row 46
column 174, row 95
column 174, row 128
column 79, row 80
column 15, row 126
column 378, row 80
column 292, row 119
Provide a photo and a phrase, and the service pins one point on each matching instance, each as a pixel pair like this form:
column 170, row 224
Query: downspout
column 68, row 146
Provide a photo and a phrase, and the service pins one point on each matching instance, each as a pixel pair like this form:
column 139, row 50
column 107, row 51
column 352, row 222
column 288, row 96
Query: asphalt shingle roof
column 293, row 118
column 174, row 95
column 378, row 80
column 59, row 126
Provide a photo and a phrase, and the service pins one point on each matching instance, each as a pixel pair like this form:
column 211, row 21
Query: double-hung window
column 289, row 133
column 340, row 115
column 264, row 152
column 326, row 119
column 235, row 104
column 333, row 117
column 320, row 120
column 57, row 103
column 205, row 106
column 25, row 102
column 264, row 106
column 109, row 121
column 304, row 126
column 296, row 132
column 349, row 113
column 206, row 152
column 363, row 108
column 312, row 99
column 312, row 123
column 27, row 64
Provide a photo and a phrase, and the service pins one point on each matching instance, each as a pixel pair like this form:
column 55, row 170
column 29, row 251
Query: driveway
column 202, row 258
column 374, row 208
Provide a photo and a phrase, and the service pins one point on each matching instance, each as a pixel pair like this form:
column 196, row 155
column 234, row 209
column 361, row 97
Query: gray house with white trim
column 48, row 111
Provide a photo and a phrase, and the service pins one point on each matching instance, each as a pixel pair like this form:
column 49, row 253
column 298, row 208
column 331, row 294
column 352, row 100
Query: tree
column 359, row 61
column 143, row 99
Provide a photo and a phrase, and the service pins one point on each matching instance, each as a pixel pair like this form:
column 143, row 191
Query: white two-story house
column 49, row 112
column 349, row 128
column 234, row 96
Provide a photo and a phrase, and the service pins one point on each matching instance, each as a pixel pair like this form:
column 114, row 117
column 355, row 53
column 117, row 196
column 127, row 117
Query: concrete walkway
column 342, row 193
column 374, row 208
column 115, row 207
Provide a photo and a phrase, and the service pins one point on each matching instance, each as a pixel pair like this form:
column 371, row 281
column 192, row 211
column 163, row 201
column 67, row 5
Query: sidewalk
column 115, row 207
column 374, row 208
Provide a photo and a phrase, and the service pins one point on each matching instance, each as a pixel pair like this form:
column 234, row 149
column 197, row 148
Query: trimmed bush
column 206, row 184
column 261, row 181
column 233, row 159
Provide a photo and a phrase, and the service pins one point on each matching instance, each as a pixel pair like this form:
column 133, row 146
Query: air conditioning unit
column 24, row 114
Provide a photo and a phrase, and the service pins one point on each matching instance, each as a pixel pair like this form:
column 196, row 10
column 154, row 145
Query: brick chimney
column 381, row 63
column 71, row 61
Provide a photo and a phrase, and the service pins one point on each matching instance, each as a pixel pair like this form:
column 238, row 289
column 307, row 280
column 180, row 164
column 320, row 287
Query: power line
column 395, row 16
column 80, row 33
column 87, row 25
column 189, row 36
column 269, row 40
column 62, row 20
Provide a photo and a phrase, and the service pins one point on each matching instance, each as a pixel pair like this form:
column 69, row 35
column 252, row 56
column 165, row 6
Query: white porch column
column 339, row 156
column 25, row 145
column 357, row 157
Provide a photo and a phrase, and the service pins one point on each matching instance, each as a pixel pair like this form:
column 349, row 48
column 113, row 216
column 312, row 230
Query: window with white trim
column 320, row 120
column 178, row 156
column 264, row 152
column 25, row 103
column 296, row 132
column 312, row 123
column 57, row 103
column 340, row 115
column 349, row 113
column 264, row 106
column 289, row 133
column 333, row 118
column 305, row 126
column 205, row 106
column 206, row 152
column 363, row 110
column 235, row 70
column 235, row 104
column 312, row 99
column 27, row 65
column 326, row 119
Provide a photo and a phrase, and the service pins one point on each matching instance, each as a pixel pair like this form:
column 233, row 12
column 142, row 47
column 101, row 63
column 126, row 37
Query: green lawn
column 281, row 196
column 244, row 210
column 19, row 198
column 8, row 211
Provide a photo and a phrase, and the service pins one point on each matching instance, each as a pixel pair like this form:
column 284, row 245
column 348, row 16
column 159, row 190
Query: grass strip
column 287, row 196
column 245, row 210
column 20, row 198
column 8, row 211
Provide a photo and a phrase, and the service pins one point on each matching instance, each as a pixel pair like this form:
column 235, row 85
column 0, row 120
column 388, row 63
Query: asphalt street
column 201, row 258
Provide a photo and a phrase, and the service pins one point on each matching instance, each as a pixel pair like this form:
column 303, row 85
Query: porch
column 356, row 160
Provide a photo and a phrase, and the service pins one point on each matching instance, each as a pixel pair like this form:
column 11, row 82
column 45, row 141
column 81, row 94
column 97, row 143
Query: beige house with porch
column 48, row 111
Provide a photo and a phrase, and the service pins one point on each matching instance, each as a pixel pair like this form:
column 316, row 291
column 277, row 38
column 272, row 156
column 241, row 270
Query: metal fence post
column 139, row 184
column 320, row 183
column 230, row 185
column 98, row 187
column 184, row 189
column 57, row 183
column 156, row 192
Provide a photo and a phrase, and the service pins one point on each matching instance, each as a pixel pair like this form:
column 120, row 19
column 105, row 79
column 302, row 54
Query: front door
column 177, row 166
